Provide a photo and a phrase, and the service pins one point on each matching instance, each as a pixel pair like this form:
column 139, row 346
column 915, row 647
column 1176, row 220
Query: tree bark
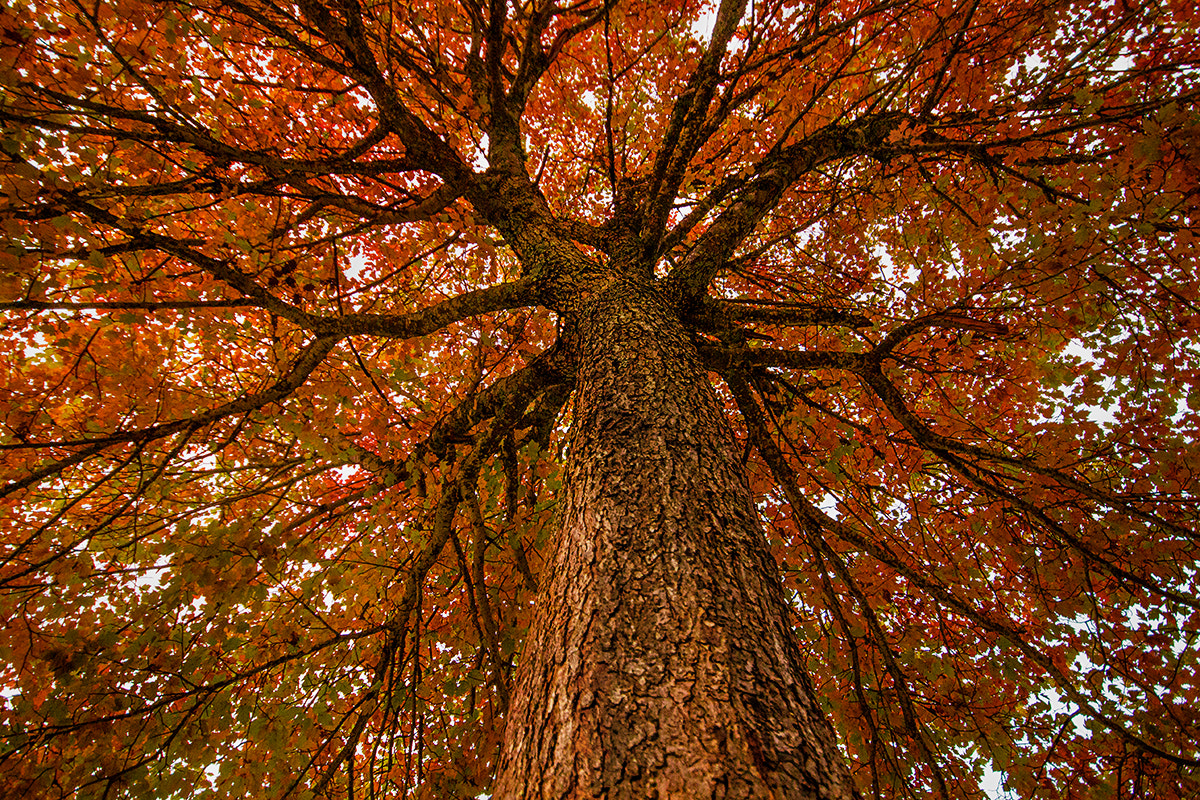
column 661, row 662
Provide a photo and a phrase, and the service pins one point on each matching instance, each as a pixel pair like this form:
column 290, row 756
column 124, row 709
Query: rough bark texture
column 661, row 662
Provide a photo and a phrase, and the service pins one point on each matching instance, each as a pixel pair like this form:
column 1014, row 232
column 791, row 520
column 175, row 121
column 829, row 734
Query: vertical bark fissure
column 660, row 662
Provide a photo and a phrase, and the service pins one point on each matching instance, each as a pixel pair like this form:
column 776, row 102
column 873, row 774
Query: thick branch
column 682, row 138
column 434, row 318
column 773, row 176
column 719, row 314
column 427, row 150
column 723, row 359
column 417, row 323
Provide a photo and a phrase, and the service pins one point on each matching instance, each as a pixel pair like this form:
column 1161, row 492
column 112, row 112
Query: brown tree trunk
column 661, row 662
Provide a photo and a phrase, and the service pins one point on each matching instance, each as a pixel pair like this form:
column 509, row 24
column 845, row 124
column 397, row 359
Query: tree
column 805, row 362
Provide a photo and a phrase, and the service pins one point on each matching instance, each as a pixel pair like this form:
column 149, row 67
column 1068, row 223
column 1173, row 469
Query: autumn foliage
column 285, row 409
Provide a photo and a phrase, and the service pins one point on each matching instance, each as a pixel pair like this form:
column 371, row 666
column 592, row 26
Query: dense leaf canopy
column 283, row 420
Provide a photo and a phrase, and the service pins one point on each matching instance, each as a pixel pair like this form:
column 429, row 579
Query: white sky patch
column 153, row 577
column 1031, row 63
column 829, row 504
column 1101, row 415
column 992, row 784
column 892, row 273
column 355, row 265
column 479, row 158
column 702, row 26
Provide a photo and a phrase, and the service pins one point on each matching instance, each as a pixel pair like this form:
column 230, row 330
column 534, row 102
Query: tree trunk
column 661, row 662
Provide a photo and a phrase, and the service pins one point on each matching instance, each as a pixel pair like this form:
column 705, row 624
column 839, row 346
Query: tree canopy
column 285, row 404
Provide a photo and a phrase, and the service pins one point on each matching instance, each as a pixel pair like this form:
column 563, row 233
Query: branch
column 725, row 358
column 523, row 385
column 720, row 313
column 309, row 359
column 429, row 320
column 453, row 494
column 218, row 268
column 916, row 728
column 203, row 140
column 781, row 168
column 418, row 323
column 811, row 515
column 682, row 138
column 925, row 437
column 129, row 305
column 427, row 150
column 867, row 368
column 535, row 59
